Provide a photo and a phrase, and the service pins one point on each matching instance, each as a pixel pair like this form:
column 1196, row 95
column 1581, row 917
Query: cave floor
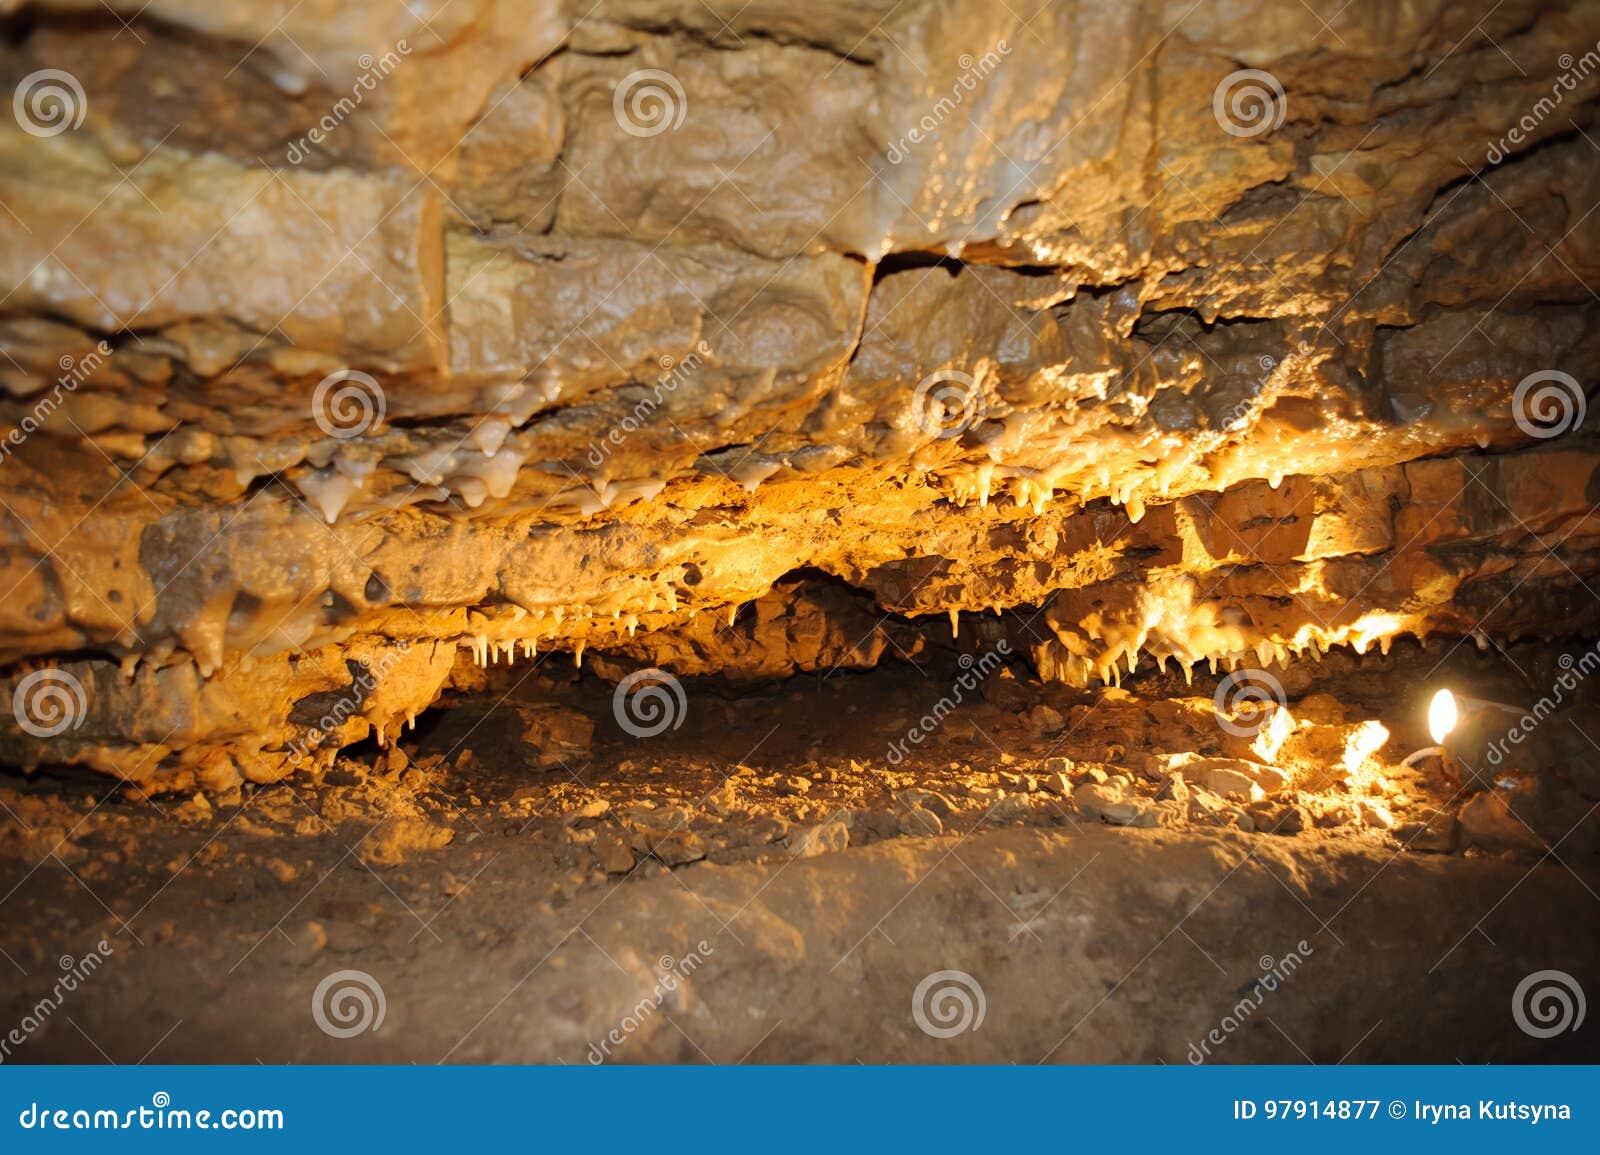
column 1048, row 875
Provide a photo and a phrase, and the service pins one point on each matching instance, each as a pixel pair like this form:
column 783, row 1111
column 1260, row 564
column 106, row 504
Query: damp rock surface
column 390, row 346
column 680, row 892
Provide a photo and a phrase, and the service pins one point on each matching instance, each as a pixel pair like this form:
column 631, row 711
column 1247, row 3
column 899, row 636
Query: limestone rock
column 918, row 822
column 679, row 848
column 313, row 408
column 1488, row 821
column 826, row 838
column 916, row 798
column 397, row 840
column 1106, row 803
column 1375, row 814
column 613, row 853
column 557, row 735
column 1009, row 808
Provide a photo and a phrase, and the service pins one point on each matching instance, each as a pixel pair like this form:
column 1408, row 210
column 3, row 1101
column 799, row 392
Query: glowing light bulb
column 1442, row 715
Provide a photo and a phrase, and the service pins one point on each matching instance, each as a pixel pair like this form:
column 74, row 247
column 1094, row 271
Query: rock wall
column 345, row 344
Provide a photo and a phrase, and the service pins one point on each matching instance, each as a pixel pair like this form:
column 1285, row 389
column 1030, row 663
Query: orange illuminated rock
column 450, row 336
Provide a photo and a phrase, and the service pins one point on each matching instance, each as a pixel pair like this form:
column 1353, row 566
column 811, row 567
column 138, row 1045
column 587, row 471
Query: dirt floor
column 937, row 863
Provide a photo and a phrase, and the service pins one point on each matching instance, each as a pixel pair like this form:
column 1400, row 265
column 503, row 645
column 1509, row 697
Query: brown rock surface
column 400, row 335
column 487, row 899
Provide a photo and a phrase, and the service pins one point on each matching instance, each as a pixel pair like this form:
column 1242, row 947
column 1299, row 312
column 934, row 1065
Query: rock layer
column 343, row 348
